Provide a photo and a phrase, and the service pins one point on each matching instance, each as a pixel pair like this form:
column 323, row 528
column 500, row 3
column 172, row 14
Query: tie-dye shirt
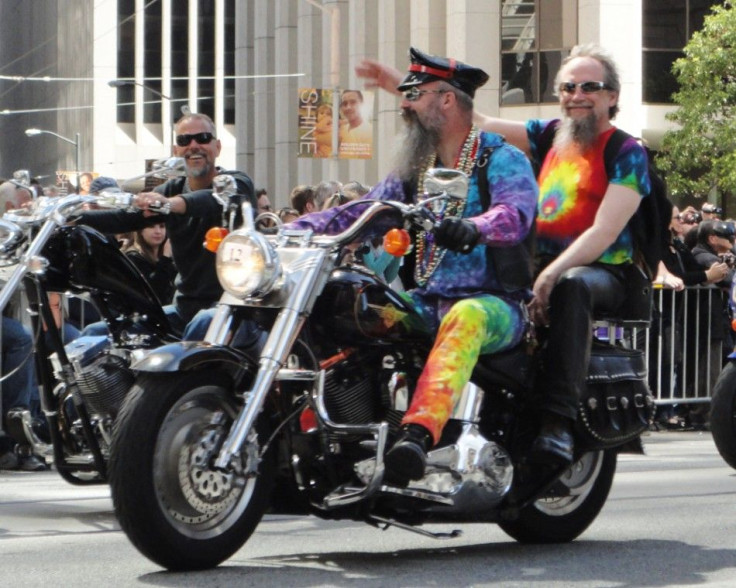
column 571, row 188
column 514, row 195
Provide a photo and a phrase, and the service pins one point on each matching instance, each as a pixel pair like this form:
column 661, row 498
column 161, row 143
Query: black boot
column 554, row 443
column 407, row 458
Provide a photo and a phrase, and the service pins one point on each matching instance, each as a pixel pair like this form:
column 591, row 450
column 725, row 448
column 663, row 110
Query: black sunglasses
column 585, row 87
column 201, row 138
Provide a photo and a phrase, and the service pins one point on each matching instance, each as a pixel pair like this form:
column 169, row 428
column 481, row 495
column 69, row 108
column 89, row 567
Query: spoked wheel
column 175, row 507
column 562, row 518
column 723, row 414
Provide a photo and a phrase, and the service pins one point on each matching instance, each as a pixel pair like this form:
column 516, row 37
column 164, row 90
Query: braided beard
column 418, row 141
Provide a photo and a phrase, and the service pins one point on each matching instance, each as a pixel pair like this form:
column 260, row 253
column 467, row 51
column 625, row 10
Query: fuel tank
column 82, row 259
column 356, row 308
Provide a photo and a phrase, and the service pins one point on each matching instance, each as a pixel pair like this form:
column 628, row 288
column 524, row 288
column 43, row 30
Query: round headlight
column 247, row 264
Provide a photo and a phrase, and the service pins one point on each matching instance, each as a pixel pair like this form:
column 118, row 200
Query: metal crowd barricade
column 683, row 356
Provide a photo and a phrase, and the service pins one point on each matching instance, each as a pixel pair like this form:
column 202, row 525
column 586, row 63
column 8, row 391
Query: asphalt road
column 670, row 521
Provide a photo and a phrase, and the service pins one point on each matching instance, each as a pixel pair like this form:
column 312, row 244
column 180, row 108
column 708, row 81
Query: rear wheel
column 723, row 414
column 563, row 518
column 174, row 506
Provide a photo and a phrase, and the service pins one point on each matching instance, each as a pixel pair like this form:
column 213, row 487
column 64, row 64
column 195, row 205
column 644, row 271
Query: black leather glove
column 457, row 234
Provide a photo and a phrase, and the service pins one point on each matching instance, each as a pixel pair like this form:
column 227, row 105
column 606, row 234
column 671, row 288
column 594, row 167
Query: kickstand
column 392, row 523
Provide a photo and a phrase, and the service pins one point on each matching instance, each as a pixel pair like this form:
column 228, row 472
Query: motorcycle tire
column 563, row 518
column 174, row 507
column 723, row 414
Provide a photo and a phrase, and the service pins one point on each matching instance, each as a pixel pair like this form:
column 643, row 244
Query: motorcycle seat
column 511, row 369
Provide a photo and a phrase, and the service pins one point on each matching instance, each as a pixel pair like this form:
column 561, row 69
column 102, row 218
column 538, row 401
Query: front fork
column 275, row 351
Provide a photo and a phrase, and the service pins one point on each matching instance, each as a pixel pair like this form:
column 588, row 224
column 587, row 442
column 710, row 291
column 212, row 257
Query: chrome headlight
column 247, row 264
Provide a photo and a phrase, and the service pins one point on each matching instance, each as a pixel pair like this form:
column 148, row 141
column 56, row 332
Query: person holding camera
column 715, row 245
column 714, row 253
column 711, row 211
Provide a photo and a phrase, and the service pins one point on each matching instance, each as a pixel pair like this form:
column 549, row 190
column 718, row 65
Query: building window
column 179, row 57
column 536, row 35
column 206, row 58
column 229, row 83
column 667, row 26
column 152, row 63
column 126, row 60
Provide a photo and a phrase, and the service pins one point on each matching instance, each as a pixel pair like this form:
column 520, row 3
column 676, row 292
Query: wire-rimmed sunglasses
column 201, row 138
column 413, row 94
column 585, row 87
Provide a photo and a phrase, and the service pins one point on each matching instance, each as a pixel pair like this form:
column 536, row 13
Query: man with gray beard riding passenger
column 584, row 245
column 458, row 292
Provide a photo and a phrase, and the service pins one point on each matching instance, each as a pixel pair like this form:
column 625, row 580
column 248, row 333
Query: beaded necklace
column 430, row 255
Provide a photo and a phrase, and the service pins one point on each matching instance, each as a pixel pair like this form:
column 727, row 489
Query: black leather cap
column 430, row 68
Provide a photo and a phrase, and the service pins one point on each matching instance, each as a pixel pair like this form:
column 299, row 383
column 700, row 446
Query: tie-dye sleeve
column 630, row 168
column 514, row 193
column 535, row 129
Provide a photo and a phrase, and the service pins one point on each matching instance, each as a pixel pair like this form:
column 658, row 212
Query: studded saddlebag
column 617, row 405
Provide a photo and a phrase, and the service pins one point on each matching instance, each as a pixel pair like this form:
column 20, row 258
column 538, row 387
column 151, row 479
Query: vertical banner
column 355, row 135
column 356, row 127
column 315, row 123
column 66, row 182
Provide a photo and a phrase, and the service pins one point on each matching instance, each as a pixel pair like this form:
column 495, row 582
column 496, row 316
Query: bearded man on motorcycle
column 193, row 212
column 458, row 290
column 584, row 246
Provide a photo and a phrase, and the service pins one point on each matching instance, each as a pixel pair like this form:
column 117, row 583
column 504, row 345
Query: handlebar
column 61, row 208
column 414, row 216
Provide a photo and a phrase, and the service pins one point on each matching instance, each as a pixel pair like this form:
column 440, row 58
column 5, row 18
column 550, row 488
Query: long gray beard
column 416, row 144
column 578, row 133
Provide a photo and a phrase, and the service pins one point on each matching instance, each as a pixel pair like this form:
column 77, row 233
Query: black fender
column 187, row 356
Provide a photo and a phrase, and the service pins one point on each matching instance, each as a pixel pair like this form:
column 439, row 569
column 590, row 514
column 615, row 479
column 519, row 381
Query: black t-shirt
column 197, row 286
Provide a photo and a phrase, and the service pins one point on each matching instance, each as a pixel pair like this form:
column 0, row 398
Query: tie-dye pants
column 467, row 328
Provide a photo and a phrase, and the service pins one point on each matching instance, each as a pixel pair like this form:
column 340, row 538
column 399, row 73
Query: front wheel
column 563, row 518
column 723, row 414
column 173, row 505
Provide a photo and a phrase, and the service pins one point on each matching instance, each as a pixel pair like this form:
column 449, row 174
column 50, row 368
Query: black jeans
column 581, row 294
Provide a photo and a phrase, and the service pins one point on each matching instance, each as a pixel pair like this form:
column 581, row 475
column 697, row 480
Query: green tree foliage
column 701, row 153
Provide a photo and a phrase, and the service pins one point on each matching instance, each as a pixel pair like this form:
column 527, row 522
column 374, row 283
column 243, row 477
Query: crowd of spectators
column 694, row 326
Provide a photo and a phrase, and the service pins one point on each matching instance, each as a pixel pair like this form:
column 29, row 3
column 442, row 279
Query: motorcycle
column 83, row 382
column 723, row 402
column 208, row 439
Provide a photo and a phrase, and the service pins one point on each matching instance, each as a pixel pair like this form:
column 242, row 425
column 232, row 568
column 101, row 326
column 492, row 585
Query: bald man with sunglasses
column 193, row 212
column 584, row 247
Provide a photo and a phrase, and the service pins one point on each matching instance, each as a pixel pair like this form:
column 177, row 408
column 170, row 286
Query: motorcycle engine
column 350, row 391
column 103, row 376
column 368, row 388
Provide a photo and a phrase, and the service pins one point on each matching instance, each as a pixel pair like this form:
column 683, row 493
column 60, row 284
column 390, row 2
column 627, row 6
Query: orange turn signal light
column 733, row 324
column 214, row 237
column 397, row 242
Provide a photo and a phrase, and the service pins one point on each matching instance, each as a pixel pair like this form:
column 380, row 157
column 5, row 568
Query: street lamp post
column 75, row 142
column 184, row 108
